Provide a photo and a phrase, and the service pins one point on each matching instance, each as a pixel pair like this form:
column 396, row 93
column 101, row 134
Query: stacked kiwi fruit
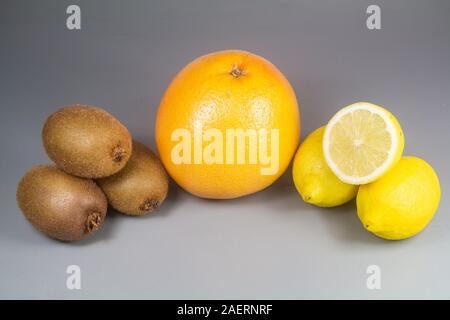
column 96, row 162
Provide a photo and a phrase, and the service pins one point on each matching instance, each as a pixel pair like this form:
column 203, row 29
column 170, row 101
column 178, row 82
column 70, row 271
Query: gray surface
column 268, row 245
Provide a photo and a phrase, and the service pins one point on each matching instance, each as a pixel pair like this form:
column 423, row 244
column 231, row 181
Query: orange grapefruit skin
column 226, row 90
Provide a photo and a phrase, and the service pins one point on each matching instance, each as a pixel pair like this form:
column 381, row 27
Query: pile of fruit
column 227, row 126
column 97, row 163
column 359, row 154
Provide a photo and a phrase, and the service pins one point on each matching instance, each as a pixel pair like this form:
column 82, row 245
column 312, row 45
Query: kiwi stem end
column 149, row 205
column 118, row 154
column 93, row 222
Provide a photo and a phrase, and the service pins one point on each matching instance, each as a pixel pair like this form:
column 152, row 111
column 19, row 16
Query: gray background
column 270, row 244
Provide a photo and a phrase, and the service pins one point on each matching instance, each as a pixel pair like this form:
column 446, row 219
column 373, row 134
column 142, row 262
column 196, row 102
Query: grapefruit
column 228, row 125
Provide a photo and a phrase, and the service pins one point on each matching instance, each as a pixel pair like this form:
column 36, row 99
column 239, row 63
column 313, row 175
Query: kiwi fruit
column 62, row 206
column 140, row 187
column 86, row 141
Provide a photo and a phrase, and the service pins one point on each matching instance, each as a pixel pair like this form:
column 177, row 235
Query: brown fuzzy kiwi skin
column 62, row 206
column 140, row 187
column 86, row 141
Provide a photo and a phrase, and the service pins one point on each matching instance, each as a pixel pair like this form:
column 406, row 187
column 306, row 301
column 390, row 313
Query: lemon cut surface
column 361, row 142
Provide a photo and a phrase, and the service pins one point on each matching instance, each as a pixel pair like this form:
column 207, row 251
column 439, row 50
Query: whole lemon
column 402, row 202
column 314, row 180
column 228, row 125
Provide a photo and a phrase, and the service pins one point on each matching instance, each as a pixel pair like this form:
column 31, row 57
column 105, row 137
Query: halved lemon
column 361, row 142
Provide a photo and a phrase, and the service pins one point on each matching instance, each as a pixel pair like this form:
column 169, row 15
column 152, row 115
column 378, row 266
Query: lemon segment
column 361, row 142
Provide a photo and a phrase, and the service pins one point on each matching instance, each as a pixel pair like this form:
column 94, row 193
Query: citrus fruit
column 314, row 180
column 227, row 125
column 402, row 202
column 361, row 142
